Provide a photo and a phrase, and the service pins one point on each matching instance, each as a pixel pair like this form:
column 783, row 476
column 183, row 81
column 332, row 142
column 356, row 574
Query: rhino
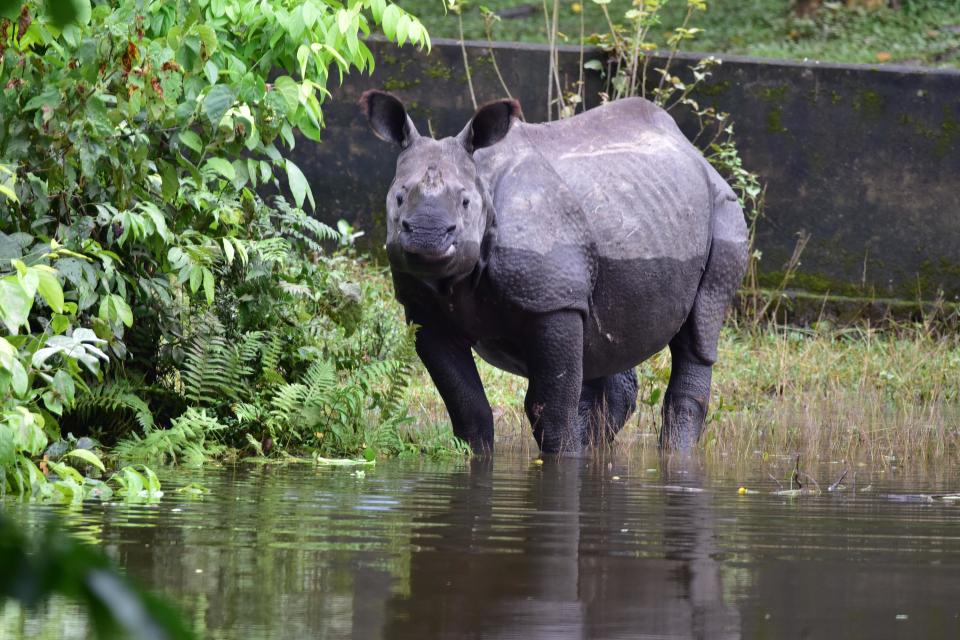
column 566, row 252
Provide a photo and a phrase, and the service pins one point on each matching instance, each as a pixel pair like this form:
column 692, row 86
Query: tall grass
column 858, row 393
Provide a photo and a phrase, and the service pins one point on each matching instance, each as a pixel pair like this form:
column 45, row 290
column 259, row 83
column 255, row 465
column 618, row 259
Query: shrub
column 142, row 270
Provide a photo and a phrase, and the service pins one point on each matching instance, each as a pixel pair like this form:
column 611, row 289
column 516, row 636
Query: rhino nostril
column 405, row 225
column 451, row 228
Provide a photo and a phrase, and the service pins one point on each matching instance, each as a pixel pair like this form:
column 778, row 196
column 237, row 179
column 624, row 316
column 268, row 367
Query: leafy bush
column 142, row 270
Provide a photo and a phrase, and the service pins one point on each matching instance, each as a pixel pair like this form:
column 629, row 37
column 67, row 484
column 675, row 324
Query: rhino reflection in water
column 567, row 253
column 565, row 554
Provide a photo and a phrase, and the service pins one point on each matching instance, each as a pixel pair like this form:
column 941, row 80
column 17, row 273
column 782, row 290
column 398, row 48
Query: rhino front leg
column 454, row 372
column 555, row 367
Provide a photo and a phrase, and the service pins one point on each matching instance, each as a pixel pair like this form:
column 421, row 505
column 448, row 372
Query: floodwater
column 512, row 549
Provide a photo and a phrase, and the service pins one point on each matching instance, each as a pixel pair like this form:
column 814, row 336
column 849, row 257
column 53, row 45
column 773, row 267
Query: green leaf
column 18, row 378
column 15, row 304
column 228, row 251
column 8, row 192
column 220, row 98
column 114, row 309
column 59, row 323
column 223, row 167
column 403, row 25
column 10, row 360
column 123, row 310
column 208, row 285
column 344, row 18
column 310, row 14
column 196, row 275
column 191, row 139
column 303, row 57
column 208, row 36
column 299, row 186
column 288, row 89
column 49, row 287
column 63, row 384
column 391, row 16
column 49, row 98
column 169, row 181
column 211, row 71
column 89, row 457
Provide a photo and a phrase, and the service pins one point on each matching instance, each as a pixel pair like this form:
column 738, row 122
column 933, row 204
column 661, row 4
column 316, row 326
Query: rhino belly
column 638, row 306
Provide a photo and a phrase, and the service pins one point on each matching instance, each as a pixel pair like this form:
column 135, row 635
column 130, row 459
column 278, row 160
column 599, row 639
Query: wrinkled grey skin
column 567, row 253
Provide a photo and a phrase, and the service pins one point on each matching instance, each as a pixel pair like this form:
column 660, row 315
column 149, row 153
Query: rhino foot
column 683, row 418
column 605, row 406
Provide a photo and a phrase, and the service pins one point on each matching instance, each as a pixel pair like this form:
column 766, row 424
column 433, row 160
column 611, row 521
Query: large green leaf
column 223, row 167
column 299, row 186
column 220, row 98
column 15, row 304
column 49, row 287
column 89, row 457
column 289, row 90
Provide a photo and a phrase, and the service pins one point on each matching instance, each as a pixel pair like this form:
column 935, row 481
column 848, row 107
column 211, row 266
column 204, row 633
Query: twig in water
column 813, row 480
column 774, row 478
column 836, row 484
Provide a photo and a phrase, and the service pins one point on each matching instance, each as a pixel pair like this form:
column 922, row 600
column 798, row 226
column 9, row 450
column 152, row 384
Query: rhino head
column 437, row 207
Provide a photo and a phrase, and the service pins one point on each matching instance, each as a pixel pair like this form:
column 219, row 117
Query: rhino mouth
column 433, row 256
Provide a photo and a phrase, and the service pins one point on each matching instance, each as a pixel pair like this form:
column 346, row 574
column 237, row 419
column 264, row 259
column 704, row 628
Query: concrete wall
column 864, row 159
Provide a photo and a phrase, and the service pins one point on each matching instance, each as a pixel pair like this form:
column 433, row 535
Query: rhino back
column 609, row 212
column 643, row 188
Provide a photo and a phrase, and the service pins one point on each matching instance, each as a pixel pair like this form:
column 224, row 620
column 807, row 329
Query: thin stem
column 581, row 88
column 550, row 35
column 466, row 62
column 635, row 59
column 673, row 51
column 496, row 68
column 556, row 56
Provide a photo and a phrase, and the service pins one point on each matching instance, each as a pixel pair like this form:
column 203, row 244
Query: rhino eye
column 466, row 202
column 399, row 199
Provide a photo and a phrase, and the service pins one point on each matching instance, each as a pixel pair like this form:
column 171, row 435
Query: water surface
column 512, row 549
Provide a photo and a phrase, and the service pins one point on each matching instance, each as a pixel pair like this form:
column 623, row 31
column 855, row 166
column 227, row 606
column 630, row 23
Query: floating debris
column 344, row 462
column 674, row 487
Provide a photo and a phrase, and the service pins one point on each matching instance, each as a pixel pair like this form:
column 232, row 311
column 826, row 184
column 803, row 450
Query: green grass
column 921, row 32
column 859, row 394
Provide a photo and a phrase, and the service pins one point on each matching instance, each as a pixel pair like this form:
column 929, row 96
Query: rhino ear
column 489, row 124
column 388, row 118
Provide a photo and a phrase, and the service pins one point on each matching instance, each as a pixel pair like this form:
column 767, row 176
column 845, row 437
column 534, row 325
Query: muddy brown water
column 512, row 549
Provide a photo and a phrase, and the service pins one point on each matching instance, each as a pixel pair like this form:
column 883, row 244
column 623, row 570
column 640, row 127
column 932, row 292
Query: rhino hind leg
column 605, row 406
column 694, row 349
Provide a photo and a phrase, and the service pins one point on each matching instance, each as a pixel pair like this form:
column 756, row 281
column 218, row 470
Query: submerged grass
column 864, row 394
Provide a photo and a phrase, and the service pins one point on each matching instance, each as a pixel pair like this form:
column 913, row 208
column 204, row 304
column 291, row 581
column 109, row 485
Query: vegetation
column 52, row 563
column 157, row 301
column 856, row 393
column 147, row 281
column 923, row 32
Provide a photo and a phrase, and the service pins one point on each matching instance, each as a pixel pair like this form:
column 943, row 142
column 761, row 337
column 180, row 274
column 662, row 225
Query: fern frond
column 187, row 440
column 115, row 406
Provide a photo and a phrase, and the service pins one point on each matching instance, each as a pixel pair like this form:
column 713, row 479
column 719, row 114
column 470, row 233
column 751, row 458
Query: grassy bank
column 875, row 396
column 924, row 32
